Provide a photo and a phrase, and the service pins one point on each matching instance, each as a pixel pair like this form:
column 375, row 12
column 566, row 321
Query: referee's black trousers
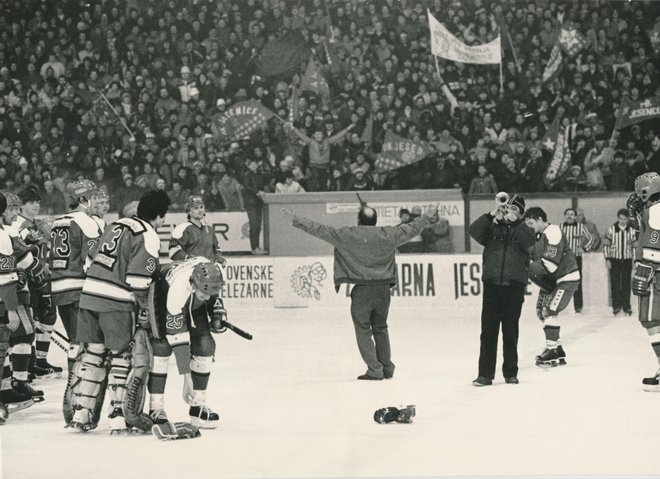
column 620, row 272
column 501, row 305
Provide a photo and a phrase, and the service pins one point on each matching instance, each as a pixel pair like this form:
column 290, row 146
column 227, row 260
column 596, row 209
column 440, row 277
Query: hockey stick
column 62, row 337
column 237, row 330
column 59, row 343
column 362, row 203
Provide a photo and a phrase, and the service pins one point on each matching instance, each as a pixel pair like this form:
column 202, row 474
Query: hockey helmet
column 207, row 278
column 647, row 184
column 12, row 200
column 194, row 200
column 82, row 189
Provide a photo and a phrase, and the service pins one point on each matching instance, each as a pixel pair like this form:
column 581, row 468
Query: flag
column 241, row 119
column 398, row 151
column 101, row 109
column 635, row 112
column 572, row 41
column 554, row 63
column 556, row 141
column 368, row 132
column 313, row 80
column 283, row 55
column 445, row 45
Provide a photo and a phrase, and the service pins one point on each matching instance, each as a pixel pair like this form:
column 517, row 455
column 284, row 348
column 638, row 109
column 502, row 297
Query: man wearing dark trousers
column 580, row 240
column 365, row 257
column 507, row 241
column 618, row 247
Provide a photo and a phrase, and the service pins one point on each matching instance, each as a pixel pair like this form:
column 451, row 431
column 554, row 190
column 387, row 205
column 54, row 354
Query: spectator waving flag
column 572, row 41
column 554, row 63
column 636, row 112
column 242, row 119
column 313, row 80
column 283, row 55
column 556, row 141
column 398, row 151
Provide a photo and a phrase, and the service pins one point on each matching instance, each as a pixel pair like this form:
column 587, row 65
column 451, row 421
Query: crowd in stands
column 170, row 68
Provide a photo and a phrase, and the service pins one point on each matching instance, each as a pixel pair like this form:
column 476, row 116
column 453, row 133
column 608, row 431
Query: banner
column 631, row 113
column 398, row 151
column 241, row 119
column 283, row 55
column 313, row 80
column 554, row 63
column 556, row 140
column 388, row 213
column 572, row 41
column 231, row 228
column 445, row 45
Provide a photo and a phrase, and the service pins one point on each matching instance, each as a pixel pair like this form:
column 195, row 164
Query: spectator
column 483, row 183
column 231, row 192
column 289, row 185
column 360, row 182
column 253, row 188
column 52, row 200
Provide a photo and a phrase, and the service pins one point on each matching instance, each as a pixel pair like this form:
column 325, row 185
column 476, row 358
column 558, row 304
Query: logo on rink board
column 307, row 281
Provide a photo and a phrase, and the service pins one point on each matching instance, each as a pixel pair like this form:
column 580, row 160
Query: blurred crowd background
column 128, row 93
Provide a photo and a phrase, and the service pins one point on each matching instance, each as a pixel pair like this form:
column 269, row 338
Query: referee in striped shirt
column 577, row 235
column 618, row 247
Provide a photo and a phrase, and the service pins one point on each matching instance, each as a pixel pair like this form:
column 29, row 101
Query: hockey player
column 554, row 269
column 644, row 207
column 116, row 288
column 182, row 296
column 194, row 237
column 73, row 236
column 34, row 232
column 18, row 265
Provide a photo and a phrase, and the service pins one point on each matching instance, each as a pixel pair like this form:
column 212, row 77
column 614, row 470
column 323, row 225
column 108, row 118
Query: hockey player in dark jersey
column 37, row 232
column 554, row 269
column 194, row 237
column 644, row 208
column 18, row 266
column 183, row 299
column 115, row 291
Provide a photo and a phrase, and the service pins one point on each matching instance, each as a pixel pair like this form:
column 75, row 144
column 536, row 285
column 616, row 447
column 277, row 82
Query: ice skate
column 561, row 356
column 83, row 420
column 547, row 359
column 158, row 416
column 16, row 400
column 118, row 422
column 25, row 388
column 652, row 384
column 203, row 417
column 42, row 370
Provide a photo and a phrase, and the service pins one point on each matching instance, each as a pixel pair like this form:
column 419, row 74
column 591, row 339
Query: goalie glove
column 175, row 430
column 642, row 279
column 634, row 205
column 218, row 317
column 402, row 414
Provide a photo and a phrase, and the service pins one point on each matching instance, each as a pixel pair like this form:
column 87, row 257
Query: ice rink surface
column 290, row 406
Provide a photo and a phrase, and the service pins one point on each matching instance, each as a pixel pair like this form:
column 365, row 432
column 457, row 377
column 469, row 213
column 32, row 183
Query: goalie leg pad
column 175, row 430
column 642, row 279
column 142, row 362
column 87, row 381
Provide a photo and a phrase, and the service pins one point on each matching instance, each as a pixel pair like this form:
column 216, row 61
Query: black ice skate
column 561, row 356
column 158, row 416
column 402, row 414
column 17, row 400
column 652, row 384
column 25, row 388
column 42, row 369
column 203, row 417
column 547, row 359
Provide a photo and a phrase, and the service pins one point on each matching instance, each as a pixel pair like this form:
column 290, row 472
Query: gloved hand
column 218, row 317
column 634, row 205
column 143, row 318
column 22, row 279
column 46, row 303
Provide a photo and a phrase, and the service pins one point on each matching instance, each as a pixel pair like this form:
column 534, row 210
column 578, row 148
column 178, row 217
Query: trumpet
column 501, row 198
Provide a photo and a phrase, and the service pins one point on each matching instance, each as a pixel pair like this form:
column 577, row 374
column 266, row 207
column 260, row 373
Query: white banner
column 445, row 45
column 388, row 213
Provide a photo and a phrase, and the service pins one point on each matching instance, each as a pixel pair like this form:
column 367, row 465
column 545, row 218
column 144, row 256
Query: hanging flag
column 554, row 63
column 398, row 151
column 283, row 55
column 445, row 45
column 241, row 119
column 635, row 112
column 313, row 80
column 556, row 141
column 572, row 41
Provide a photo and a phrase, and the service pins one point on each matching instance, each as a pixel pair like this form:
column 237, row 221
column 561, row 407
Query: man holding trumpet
column 507, row 243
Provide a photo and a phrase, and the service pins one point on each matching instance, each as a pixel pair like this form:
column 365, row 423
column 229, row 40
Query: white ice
column 290, row 406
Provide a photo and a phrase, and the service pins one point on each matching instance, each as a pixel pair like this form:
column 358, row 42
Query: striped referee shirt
column 578, row 237
column 618, row 243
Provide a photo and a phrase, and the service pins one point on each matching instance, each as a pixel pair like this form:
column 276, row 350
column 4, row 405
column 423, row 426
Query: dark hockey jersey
column 125, row 260
column 552, row 251
column 190, row 240
column 73, row 236
column 27, row 228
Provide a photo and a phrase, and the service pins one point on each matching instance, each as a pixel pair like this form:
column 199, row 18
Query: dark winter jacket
column 506, row 249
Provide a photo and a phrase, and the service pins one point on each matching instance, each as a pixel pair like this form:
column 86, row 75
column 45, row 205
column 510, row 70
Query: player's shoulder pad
column 553, row 233
column 654, row 216
column 99, row 221
column 86, row 223
column 135, row 225
column 177, row 232
column 6, row 246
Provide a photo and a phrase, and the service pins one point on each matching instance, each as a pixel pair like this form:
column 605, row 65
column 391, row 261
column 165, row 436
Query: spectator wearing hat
column 507, row 242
